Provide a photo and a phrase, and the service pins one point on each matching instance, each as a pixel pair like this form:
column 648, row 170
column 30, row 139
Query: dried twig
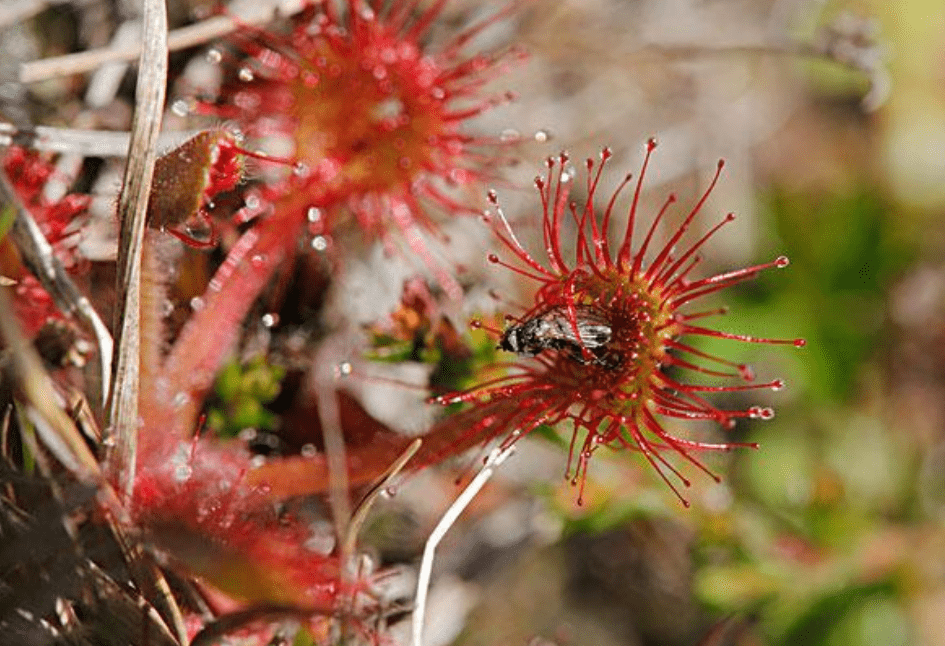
column 361, row 511
column 132, row 211
column 493, row 461
column 182, row 38
column 39, row 258
column 88, row 143
column 56, row 430
column 219, row 627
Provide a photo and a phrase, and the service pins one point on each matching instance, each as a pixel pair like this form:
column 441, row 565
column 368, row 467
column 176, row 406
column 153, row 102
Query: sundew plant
column 201, row 443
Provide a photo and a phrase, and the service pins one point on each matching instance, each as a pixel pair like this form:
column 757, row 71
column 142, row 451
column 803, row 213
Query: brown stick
column 132, row 211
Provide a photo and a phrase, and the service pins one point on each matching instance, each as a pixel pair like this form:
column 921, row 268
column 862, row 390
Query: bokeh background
column 831, row 118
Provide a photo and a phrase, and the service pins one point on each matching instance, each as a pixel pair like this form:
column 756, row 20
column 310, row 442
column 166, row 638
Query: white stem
column 496, row 457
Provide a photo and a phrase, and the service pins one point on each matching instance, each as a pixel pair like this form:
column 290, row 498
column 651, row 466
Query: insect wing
column 592, row 329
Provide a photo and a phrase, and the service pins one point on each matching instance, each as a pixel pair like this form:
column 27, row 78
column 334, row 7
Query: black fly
column 552, row 330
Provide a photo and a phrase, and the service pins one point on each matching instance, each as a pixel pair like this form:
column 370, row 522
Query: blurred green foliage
column 828, row 477
column 845, row 253
column 242, row 392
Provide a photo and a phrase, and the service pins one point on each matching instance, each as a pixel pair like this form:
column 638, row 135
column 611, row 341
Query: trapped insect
column 553, row 330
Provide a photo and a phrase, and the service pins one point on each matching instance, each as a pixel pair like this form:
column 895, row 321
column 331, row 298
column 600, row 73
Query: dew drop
column 777, row 384
column 270, row 319
column 781, row 262
column 728, row 424
column 389, row 492
column 180, row 108
column 475, row 324
column 308, row 451
column 182, row 473
column 257, row 461
column 542, row 135
column 252, row 202
column 509, row 135
column 167, row 307
column 321, row 541
column 301, row 169
column 248, row 434
column 492, row 196
column 214, row 56
column 319, row 243
column 759, row 412
column 180, row 400
column 492, row 258
column 258, row 260
column 800, row 343
column 345, row 368
column 245, row 74
column 747, row 372
column 314, row 214
column 197, row 304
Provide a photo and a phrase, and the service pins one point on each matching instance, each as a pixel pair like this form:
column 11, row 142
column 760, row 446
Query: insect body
column 553, row 330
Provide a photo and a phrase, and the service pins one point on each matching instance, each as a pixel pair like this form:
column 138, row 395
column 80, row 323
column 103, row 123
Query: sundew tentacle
column 664, row 255
column 666, row 278
column 623, row 255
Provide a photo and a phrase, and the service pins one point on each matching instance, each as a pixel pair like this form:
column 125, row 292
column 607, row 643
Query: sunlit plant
column 375, row 117
column 606, row 322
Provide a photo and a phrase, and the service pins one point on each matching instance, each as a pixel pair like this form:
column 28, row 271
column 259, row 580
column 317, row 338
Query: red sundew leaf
column 208, row 336
column 28, row 172
column 194, row 503
column 33, row 305
column 376, row 115
column 187, row 178
column 607, row 383
column 370, row 448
